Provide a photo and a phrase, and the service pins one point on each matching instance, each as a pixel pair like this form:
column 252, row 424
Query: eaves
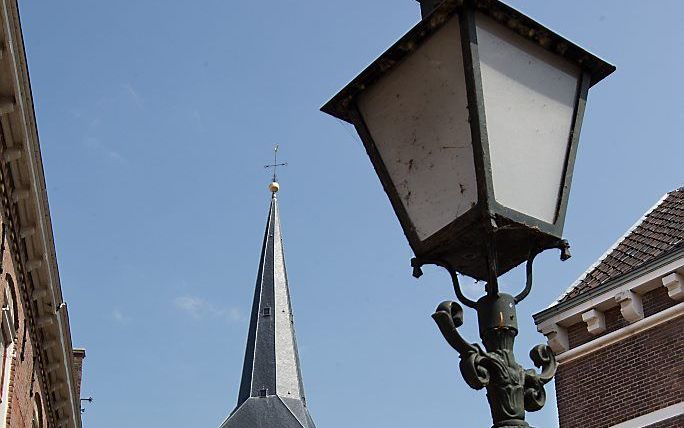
column 663, row 260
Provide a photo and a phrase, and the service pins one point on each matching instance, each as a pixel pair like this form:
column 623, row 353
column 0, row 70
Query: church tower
column 271, row 392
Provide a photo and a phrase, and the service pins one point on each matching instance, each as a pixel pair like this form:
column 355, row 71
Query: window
column 8, row 331
column 266, row 311
column 11, row 302
column 37, row 421
column 263, row 392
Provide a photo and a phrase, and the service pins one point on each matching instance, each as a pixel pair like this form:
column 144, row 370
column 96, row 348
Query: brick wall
column 630, row 378
column 578, row 334
column 656, row 301
column 24, row 381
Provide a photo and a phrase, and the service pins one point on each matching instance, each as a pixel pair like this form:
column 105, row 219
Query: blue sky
column 156, row 118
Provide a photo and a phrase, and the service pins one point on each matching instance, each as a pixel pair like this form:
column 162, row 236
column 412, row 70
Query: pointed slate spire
column 271, row 391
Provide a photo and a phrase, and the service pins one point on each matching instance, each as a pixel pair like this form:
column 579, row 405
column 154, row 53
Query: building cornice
column 671, row 260
column 626, row 332
column 666, row 271
column 30, row 200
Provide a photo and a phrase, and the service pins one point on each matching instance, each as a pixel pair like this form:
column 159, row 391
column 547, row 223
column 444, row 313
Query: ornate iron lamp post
column 472, row 121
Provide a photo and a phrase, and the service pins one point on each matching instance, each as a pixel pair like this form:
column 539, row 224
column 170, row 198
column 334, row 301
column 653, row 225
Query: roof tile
column 658, row 232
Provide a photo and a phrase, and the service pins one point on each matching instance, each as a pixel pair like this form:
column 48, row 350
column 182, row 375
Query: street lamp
column 472, row 121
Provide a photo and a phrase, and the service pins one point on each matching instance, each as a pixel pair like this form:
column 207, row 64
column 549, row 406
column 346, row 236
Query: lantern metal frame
column 513, row 234
column 489, row 239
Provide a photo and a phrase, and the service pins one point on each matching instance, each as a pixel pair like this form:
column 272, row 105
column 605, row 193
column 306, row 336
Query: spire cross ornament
column 275, row 164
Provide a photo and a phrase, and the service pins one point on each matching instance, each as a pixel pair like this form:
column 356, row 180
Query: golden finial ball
column 274, row 187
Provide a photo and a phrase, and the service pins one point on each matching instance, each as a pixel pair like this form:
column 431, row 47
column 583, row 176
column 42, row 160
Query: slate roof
column 270, row 412
column 659, row 232
column 271, row 391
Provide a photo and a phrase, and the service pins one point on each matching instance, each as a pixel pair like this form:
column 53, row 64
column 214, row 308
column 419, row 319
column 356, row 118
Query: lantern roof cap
column 523, row 25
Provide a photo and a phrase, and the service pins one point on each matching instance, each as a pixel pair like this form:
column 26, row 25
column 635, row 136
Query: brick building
column 618, row 331
column 39, row 385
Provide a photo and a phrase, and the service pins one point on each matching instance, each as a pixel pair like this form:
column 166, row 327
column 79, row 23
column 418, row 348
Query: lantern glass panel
column 418, row 118
column 529, row 98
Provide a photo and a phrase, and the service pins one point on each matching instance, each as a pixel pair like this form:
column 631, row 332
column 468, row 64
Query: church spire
column 271, row 390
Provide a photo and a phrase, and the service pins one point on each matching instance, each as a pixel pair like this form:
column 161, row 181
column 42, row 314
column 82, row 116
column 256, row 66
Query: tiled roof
column 658, row 232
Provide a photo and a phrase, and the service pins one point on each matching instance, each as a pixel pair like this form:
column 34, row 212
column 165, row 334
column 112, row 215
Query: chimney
column 79, row 356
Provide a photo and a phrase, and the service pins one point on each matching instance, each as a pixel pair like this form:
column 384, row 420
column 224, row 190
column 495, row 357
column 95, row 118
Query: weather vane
column 274, row 186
